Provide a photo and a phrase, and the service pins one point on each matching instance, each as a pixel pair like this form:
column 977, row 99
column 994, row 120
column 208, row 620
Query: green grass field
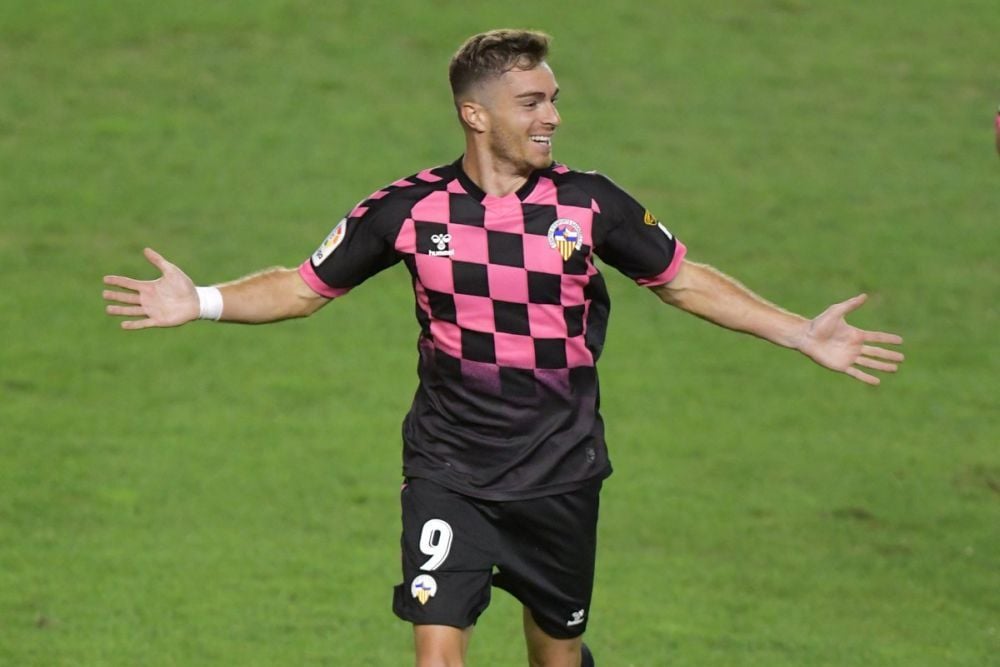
column 225, row 495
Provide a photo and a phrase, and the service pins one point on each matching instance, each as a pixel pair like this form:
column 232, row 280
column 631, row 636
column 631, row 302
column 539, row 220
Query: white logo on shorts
column 423, row 588
column 577, row 617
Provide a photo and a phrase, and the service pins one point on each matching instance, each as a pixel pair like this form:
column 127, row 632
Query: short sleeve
column 632, row 239
column 360, row 245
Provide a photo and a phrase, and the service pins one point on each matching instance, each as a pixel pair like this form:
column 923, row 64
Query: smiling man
column 503, row 448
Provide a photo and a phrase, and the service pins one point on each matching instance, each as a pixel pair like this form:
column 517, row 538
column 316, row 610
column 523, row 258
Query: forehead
column 538, row 79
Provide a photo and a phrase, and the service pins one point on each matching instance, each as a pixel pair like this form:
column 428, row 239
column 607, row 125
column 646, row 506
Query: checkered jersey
column 512, row 311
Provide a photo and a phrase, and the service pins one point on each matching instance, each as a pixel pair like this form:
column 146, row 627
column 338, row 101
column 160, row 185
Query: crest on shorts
column 423, row 588
column 331, row 243
column 565, row 236
column 650, row 219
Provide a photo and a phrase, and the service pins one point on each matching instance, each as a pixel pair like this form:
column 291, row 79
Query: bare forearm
column 268, row 296
column 713, row 296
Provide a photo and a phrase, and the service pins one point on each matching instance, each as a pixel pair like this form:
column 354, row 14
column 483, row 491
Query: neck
column 494, row 177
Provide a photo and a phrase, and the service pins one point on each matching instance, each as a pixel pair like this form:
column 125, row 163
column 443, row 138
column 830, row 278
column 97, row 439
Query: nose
column 552, row 117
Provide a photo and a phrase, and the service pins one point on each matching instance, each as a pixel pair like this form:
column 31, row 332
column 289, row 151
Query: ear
column 474, row 115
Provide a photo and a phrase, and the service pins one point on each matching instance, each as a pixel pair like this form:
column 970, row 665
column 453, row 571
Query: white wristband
column 209, row 303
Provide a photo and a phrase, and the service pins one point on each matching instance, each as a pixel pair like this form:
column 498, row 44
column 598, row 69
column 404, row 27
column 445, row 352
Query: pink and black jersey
column 512, row 311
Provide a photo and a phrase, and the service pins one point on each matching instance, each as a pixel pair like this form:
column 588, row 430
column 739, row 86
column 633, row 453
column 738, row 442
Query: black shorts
column 455, row 548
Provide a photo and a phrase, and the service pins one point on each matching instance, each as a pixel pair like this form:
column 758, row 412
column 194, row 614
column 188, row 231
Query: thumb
column 157, row 260
column 852, row 304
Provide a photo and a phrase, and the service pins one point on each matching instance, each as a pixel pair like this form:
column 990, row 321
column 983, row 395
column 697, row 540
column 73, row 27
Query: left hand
column 833, row 343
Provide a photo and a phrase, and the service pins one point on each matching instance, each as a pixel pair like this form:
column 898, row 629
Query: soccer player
column 503, row 448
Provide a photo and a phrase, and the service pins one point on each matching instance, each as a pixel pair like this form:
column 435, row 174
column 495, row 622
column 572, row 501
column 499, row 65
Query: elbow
column 670, row 294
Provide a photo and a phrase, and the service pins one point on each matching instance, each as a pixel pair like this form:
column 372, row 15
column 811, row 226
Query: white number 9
column 435, row 541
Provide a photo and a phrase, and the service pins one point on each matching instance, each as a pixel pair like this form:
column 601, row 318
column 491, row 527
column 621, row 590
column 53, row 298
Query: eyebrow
column 537, row 93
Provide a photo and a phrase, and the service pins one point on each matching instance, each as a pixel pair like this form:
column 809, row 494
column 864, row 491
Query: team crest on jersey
column 650, row 219
column 331, row 243
column 423, row 588
column 565, row 236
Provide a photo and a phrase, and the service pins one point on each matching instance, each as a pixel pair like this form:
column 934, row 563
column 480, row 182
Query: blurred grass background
column 227, row 495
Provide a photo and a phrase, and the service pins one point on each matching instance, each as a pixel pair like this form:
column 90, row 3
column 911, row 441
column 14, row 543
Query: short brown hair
column 490, row 54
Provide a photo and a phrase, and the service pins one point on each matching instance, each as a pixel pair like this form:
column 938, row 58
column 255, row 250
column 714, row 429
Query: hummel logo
column 577, row 618
column 441, row 241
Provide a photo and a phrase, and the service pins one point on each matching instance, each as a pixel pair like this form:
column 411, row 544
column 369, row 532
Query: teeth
column 541, row 140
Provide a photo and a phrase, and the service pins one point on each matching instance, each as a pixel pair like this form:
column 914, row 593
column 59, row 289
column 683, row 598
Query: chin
column 542, row 162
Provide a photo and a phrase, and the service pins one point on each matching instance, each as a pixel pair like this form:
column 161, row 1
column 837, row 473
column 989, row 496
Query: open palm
column 168, row 301
column 833, row 343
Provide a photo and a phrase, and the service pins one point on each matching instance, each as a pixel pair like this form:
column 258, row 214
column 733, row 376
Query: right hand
column 168, row 301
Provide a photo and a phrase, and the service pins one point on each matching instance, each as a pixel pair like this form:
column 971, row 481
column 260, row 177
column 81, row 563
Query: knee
column 439, row 661
column 437, row 658
column 440, row 646
column 563, row 657
column 569, row 656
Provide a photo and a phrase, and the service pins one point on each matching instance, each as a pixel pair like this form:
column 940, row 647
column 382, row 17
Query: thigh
column 549, row 651
column 548, row 552
column 446, row 557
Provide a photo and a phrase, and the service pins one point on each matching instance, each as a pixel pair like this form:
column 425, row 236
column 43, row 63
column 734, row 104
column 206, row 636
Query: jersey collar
column 477, row 193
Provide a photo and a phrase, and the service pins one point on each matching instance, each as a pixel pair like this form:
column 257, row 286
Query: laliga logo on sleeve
column 423, row 588
column 331, row 243
column 565, row 236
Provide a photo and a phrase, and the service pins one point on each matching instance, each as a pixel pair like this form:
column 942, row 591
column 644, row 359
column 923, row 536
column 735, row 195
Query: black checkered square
column 464, row 210
column 505, row 249
column 538, row 218
column 550, row 352
column 442, row 305
column 470, row 278
column 544, row 288
column 478, row 346
column 511, row 318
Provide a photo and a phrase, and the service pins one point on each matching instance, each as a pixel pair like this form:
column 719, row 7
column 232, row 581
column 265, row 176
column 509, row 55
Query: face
column 522, row 117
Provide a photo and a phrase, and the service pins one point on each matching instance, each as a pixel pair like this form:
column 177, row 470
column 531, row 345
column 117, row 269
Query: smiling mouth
column 541, row 139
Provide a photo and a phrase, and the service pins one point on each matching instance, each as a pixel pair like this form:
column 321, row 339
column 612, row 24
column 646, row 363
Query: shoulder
column 594, row 183
column 395, row 200
column 594, row 189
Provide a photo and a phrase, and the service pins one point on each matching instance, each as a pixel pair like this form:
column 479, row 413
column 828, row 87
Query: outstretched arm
column 172, row 299
column 826, row 339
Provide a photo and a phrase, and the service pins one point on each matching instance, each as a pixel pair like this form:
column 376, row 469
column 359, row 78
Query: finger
column 157, row 260
column 134, row 325
column 122, row 281
column 852, row 304
column 122, row 297
column 126, row 311
column 890, row 355
column 862, row 376
column 877, row 365
column 883, row 337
